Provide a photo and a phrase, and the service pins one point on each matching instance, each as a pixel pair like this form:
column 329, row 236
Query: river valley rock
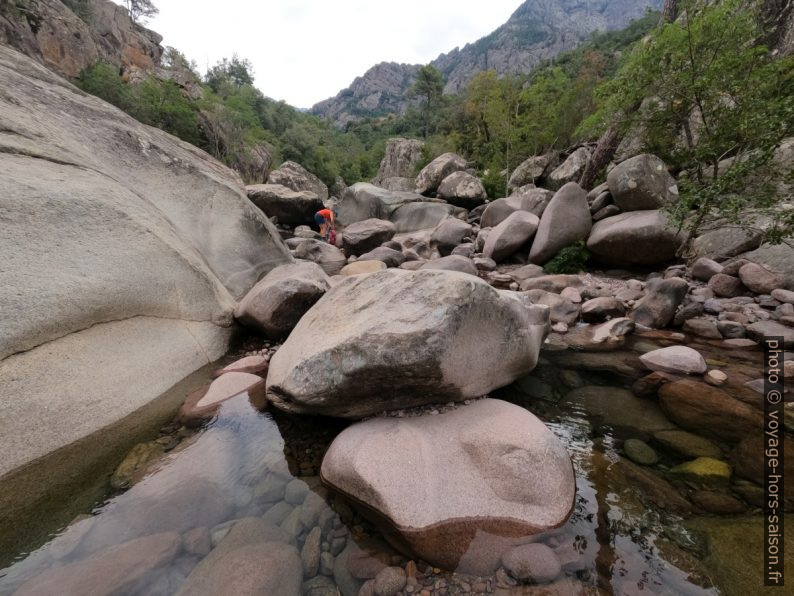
column 489, row 456
column 459, row 338
column 122, row 244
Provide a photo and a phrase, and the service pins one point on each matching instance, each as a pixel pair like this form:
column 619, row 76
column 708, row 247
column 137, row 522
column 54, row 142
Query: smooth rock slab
column 635, row 238
column 362, row 267
column 464, row 487
column 676, row 360
column 397, row 338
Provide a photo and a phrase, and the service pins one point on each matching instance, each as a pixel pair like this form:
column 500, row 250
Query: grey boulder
column 532, row 200
column 642, row 183
column 397, row 338
column 275, row 305
column 565, row 221
column 449, row 234
column 434, row 173
column 510, row 235
column 401, row 159
column 288, row 206
column 362, row 236
column 327, row 256
column 295, row 176
column 635, row 238
column 662, row 297
column 531, row 170
column 570, row 170
column 462, row 189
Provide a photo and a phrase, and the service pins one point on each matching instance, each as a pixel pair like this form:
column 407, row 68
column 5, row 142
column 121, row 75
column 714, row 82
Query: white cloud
column 304, row 51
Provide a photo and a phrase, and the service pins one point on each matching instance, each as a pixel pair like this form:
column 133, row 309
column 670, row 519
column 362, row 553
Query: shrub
column 571, row 259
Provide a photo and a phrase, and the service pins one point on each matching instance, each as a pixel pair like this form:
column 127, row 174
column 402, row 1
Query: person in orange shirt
column 325, row 218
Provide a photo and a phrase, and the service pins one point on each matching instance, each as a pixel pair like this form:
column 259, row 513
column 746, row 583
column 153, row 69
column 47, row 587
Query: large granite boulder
column 286, row 205
column 409, row 211
column 532, row 200
column 124, row 251
column 275, row 305
column 642, row 183
column 570, row 170
column 566, row 220
column 449, row 234
column 399, row 338
column 433, row 174
column 635, row 238
column 363, row 236
column 531, row 170
column 463, row 190
column 510, row 235
column 295, row 176
column 327, row 256
column 473, row 482
column 401, row 160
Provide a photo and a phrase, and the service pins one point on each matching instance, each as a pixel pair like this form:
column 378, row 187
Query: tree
column 429, row 86
column 141, row 10
column 235, row 71
column 713, row 102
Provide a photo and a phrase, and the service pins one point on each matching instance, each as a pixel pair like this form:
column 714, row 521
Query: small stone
column 389, row 581
column 686, row 444
column 731, row 329
column 571, row 294
column 759, row 279
column 296, row 492
column 716, row 378
column 726, row 286
column 640, row 452
column 781, row 295
column 675, row 359
column 310, row 553
column 703, row 328
column 704, row 269
column 532, row 562
column 559, row 327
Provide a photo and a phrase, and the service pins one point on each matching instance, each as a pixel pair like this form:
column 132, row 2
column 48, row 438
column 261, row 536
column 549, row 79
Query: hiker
column 325, row 218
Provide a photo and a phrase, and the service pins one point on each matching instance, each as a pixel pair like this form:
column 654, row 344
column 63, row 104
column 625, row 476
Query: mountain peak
column 536, row 31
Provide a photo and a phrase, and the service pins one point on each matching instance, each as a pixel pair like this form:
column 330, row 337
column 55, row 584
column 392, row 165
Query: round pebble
column 532, row 562
column 640, row 452
column 716, row 378
column 389, row 581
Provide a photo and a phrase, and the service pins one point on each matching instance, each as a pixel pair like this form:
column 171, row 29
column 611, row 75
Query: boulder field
column 124, row 252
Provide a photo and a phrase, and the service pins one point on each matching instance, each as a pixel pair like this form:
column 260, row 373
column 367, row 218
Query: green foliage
column 703, row 90
column 571, row 259
column 154, row 102
column 429, row 87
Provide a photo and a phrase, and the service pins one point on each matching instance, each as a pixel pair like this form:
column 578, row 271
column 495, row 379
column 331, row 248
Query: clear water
column 248, row 464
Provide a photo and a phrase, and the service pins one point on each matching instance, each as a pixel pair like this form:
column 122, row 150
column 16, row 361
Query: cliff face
column 380, row 91
column 51, row 33
column 537, row 30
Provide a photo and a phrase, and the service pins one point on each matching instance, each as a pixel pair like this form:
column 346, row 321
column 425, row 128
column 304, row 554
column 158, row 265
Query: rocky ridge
column 535, row 32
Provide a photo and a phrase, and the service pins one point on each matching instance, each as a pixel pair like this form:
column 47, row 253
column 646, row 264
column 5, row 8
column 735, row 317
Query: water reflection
column 238, row 508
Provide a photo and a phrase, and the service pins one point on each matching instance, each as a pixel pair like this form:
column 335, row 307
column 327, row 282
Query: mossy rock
column 706, row 469
column 640, row 452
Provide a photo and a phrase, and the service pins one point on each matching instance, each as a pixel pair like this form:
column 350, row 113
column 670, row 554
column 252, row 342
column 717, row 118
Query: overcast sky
column 304, row 51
